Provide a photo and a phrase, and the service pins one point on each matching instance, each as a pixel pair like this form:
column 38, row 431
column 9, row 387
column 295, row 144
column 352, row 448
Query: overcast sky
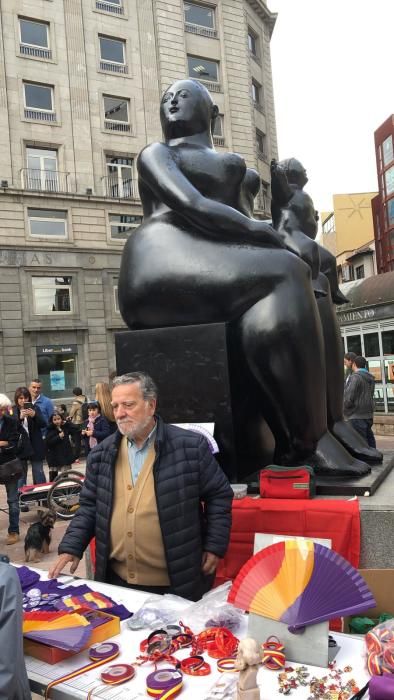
column 333, row 64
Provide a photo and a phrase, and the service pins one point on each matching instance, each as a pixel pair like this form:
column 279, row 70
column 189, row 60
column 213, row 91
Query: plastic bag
column 213, row 610
column 380, row 649
column 158, row 611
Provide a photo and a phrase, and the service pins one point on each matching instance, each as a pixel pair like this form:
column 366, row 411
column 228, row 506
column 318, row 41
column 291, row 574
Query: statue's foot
column 330, row 459
column 355, row 443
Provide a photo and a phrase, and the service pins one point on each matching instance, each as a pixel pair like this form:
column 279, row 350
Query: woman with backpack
column 78, row 415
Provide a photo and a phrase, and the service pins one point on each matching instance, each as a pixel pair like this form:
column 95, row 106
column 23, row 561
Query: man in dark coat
column 154, row 497
column 358, row 399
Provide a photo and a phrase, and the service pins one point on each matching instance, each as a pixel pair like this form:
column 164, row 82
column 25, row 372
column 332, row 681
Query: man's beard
column 135, row 430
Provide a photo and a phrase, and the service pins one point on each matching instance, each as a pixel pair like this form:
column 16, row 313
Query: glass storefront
column 377, row 346
column 57, row 369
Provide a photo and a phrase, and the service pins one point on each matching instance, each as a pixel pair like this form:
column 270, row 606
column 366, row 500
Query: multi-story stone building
column 80, row 84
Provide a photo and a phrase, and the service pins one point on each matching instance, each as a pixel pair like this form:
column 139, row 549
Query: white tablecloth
column 351, row 652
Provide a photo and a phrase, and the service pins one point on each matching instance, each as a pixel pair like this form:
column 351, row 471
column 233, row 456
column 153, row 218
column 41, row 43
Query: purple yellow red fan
column 300, row 583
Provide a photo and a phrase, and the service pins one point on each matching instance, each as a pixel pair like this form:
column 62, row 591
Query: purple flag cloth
column 381, row 687
column 31, row 580
column 67, row 638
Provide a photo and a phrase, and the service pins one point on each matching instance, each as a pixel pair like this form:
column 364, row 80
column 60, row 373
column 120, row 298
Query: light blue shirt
column 137, row 455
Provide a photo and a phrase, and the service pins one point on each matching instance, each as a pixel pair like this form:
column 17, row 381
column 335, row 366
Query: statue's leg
column 328, row 266
column 342, row 429
column 282, row 341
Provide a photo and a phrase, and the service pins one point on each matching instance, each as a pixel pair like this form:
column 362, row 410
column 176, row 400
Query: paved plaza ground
column 16, row 552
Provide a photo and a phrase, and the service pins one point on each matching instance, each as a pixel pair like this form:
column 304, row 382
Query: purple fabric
column 68, row 638
column 27, row 577
column 381, row 688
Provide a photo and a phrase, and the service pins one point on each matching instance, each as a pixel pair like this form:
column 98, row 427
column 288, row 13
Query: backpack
column 84, row 409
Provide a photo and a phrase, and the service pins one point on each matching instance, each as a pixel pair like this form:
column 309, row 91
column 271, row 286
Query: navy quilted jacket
column 185, row 474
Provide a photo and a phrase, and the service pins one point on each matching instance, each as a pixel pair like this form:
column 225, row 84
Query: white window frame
column 120, row 181
column 116, row 298
column 111, row 223
column 34, row 21
column 65, row 286
column 113, row 38
column 39, row 109
column 43, row 218
column 118, row 121
column 206, row 7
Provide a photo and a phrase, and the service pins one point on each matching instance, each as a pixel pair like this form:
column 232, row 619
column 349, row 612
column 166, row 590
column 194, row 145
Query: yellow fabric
column 136, row 543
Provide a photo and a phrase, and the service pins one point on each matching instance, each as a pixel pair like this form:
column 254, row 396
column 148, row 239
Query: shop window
column 122, row 225
column 52, row 295
column 388, row 342
column 47, row 223
column 57, row 369
column 354, row 344
column 371, row 345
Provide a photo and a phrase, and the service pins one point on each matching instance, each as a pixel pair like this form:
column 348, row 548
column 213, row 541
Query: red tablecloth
column 336, row 520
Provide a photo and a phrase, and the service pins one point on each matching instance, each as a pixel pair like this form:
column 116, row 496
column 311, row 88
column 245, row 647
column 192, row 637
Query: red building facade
column 383, row 203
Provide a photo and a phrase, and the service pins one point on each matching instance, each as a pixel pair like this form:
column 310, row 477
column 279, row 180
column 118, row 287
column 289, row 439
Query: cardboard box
column 52, row 655
column 381, row 583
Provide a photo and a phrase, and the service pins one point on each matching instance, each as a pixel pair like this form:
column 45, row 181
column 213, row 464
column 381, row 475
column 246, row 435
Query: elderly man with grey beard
column 154, row 498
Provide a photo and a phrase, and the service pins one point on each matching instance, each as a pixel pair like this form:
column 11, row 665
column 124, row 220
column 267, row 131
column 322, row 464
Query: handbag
column 10, row 471
column 287, row 482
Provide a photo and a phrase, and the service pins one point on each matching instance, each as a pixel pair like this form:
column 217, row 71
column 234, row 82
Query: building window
column 390, row 212
column 354, row 344
column 329, row 224
column 34, row 38
column 218, row 131
column 113, row 6
column 253, row 45
column 48, row 223
column 122, row 225
column 57, row 369
column 42, row 171
column 388, row 342
column 360, row 273
column 112, row 54
column 264, row 201
column 205, row 70
column 119, row 178
column 116, row 113
column 200, row 19
column 116, row 298
column 371, row 345
column 389, row 180
column 257, row 95
column 52, row 295
column 39, row 102
column 261, row 145
column 387, row 148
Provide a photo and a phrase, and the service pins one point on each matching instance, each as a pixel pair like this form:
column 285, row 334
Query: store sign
column 48, row 349
column 18, row 258
column 367, row 314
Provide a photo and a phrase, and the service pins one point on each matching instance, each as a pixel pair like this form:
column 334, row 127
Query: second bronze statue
column 199, row 257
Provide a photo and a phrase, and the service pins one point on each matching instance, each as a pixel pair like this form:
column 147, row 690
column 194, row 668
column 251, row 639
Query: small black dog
column 38, row 536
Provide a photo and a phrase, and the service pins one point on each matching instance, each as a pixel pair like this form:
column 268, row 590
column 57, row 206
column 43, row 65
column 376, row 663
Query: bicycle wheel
column 63, row 497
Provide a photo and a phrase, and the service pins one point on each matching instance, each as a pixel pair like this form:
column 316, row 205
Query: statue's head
column 295, row 171
column 186, row 109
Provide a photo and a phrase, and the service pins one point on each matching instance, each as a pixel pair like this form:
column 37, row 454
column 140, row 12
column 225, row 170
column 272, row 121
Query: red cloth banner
column 338, row 521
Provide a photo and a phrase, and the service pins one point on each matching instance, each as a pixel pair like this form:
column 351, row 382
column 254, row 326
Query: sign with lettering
column 49, row 349
column 368, row 313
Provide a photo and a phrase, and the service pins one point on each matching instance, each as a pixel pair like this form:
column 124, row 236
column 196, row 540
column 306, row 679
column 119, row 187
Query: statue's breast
column 214, row 174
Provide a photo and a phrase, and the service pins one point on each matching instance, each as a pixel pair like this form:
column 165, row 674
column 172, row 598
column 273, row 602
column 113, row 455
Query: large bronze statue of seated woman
column 199, row 257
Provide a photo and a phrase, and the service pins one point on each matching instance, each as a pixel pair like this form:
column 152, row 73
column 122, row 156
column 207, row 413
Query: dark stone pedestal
column 198, row 377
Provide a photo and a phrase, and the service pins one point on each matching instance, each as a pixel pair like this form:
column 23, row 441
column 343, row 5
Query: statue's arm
column 281, row 191
column 158, row 169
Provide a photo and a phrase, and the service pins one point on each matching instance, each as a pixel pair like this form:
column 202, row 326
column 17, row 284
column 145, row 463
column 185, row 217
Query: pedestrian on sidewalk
column 31, row 445
column 59, row 451
column 359, row 401
column 8, row 446
column 103, row 396
column 77, row 415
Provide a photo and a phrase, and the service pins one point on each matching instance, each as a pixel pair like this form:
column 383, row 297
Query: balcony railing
column 262, row 155
column 116, row 126
column 119, row 188
column 114, row 67
column 44, row 180
column 211, row 86
column 218, row 140
column 36, row 51
column 108, row 7
column 40, row 116
column 258, row 106
column 202, row 31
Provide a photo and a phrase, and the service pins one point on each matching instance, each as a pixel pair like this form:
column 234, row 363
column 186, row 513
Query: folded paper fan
column 300, row 583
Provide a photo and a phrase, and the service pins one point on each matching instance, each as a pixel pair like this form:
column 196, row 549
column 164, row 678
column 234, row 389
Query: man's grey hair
column 4, row 401
column 148, row 386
